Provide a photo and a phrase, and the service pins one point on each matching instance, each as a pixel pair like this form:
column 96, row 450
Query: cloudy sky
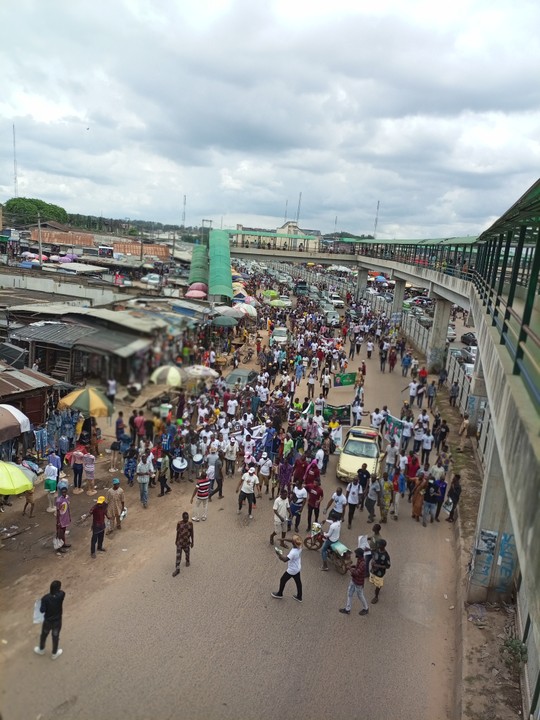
column 122, row 107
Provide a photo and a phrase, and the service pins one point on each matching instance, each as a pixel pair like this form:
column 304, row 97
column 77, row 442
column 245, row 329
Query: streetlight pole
column 40, row 246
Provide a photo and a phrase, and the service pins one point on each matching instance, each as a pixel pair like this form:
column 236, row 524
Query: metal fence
column 456, row 372
column 417, row 334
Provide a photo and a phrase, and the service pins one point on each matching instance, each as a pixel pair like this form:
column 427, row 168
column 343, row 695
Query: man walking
column 63, row 517
column 51, row 607
column 98, row 513
column 294, row 565
column 115, row 505
column 218, row 476
column 281, row 515
column 356, row 584
column 246, row 488
column 202, row 491
column 354, row 489
column 184, row 541
column 144, row 471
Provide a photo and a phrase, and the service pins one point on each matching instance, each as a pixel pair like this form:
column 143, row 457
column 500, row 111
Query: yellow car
column 362, row 445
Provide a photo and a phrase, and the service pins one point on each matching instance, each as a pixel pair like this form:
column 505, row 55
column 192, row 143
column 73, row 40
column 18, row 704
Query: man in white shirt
column 294, row 564
column 246, row 490
column 319, row 458
column 352, row 495
column 330, row 536
column 376, row 418
column 265, row 470
column 406, row 434
column 232, row 406
column 281, row 515
column 340, row 501
column 391, row 455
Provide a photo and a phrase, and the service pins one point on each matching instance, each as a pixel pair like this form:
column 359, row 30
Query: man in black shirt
column 51, row 607
column 363, row 477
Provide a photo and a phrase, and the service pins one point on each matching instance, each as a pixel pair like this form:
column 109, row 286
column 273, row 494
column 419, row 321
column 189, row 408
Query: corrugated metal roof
column 136, row 321
column 15, row 382
column 60, row 334
column 112, row 341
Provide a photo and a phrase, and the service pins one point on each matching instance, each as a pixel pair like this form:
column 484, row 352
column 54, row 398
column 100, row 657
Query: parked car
column 336, row 301
column 451, row 334
column 469, row 353
column 361, row 445
column 151, row 279
column 242, row 376
column 469, row 338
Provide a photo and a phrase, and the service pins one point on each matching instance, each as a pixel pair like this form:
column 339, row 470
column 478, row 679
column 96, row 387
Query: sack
column 57, row 543
column 377, row 581
column 39, row 617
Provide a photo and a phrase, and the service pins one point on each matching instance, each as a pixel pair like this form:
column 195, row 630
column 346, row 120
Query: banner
column 393, row 429
column 342, row 413
column 344, row 379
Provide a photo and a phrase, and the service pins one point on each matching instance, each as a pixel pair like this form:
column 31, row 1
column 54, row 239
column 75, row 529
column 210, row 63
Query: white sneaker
column 238, row 512
column 251, row 517
column 39, row 651
column 57, row 654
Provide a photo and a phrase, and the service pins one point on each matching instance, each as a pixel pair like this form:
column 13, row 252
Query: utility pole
column 40, row 246
column 299, row 206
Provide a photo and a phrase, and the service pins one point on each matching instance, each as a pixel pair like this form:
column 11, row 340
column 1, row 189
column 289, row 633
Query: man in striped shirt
column 202, row 493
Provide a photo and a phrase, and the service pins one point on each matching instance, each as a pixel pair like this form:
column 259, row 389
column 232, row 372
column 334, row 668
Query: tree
column 24, row 211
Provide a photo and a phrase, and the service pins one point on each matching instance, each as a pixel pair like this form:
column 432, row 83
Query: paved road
column 212, row 643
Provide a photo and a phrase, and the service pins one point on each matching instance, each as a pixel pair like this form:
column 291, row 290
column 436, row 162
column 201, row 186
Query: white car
column 151, row 279
column 451, row 334
column 280, row 336
column 336, row 301
column 286, row 299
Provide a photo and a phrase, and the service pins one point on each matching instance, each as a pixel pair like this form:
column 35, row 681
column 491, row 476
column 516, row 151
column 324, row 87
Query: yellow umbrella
column 13, row 480
column 169, row 375
column 89, row 401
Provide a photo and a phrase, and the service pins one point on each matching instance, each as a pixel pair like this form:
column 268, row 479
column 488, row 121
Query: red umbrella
column 195, row 294
column 199, row 286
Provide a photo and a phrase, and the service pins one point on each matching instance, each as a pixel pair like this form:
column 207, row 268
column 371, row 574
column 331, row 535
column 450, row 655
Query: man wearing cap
column 356, row 584
column 246, row 488
column 265, row 470
column 115, row 504
column 231, row 452
column 99, row 513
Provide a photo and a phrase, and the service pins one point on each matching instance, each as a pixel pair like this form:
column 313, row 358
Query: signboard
column 342, row 413
column 344, row 379
column 393, row 429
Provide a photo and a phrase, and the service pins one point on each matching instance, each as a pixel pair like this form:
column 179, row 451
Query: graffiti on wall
column 506, row 562
column 485, row 554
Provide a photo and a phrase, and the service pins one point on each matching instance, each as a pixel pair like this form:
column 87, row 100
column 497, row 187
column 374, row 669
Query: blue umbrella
column 380, row 278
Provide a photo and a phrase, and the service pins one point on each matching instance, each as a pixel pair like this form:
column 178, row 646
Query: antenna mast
column 299, row 206
column 376, row 220
column 184, row 215
column 15, row 178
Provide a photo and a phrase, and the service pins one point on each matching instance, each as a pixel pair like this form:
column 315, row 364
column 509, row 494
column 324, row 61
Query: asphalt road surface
column 212, row 642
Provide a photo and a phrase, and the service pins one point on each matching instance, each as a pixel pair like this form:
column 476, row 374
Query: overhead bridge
column 496, row 277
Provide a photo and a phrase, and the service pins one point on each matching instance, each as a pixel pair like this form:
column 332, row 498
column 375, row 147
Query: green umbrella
column 278, row 303
column 89, row 401
column 224, row 321
column 270, row 294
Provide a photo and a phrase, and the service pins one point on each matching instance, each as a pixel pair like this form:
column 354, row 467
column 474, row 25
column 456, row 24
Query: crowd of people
column 274, row 437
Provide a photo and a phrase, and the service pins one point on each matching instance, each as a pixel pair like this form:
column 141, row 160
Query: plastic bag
column 123, row 514
column 447, row 505
column 57, row 543
column 39, row 617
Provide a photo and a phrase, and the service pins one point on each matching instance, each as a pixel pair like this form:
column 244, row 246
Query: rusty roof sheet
column 16, row 382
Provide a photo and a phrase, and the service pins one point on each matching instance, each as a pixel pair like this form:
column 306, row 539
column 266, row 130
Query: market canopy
column 13, row 422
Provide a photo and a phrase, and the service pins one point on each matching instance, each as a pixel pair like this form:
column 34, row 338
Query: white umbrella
column 201, row 372
column 13, row 422
column 226, row 311
column 249, row 311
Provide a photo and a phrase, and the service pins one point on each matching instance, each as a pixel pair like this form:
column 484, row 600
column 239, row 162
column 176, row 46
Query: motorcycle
column 338, row 554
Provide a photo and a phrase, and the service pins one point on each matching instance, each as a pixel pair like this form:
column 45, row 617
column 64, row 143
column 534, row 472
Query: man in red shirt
column 356, row 585
column 315, row 496
column 300, row 466
column 98, row 513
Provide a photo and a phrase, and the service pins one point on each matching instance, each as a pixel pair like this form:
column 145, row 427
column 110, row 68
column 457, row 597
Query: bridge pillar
column 477, row 396
column 361, row 283
column 436, row 349
column 399, row 296
column 494, row 560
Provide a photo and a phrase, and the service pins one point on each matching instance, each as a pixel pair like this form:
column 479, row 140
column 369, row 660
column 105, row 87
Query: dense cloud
column 122, row 108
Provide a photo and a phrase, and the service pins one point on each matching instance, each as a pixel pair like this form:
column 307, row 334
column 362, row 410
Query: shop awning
column 110, row 342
